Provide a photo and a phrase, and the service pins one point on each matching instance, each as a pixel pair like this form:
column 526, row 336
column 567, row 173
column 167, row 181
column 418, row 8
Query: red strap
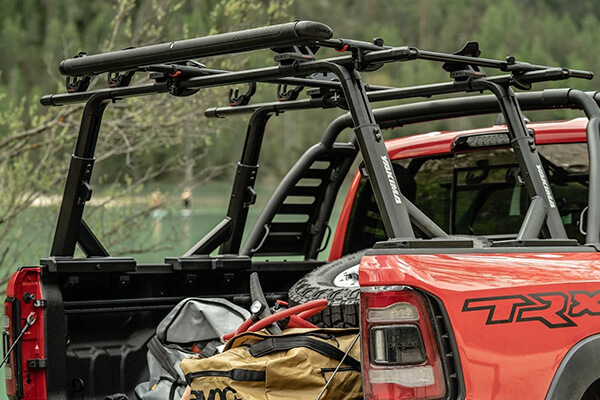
column 297, row 322
column 297, row 314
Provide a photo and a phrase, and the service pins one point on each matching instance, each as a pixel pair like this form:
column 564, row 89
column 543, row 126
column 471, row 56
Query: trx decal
column 553, row 309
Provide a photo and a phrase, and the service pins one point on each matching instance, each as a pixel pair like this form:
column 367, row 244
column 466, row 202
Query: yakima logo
column 391, row 179
column 553, row 309
column 546, row 185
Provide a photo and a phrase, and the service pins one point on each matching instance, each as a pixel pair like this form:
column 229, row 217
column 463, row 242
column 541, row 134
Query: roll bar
column 395, row 116
column 296, row 33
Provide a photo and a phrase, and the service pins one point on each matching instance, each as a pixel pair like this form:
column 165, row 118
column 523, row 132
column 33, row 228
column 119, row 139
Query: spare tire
column 338, row 283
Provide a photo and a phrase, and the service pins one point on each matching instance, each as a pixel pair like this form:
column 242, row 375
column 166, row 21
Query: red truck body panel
column 514, row 316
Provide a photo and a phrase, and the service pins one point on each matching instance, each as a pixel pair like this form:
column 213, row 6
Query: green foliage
column 141, row 141
column 158, row 138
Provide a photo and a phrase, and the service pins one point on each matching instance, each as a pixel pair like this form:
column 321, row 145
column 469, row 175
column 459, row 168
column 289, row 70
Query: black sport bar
column 270, row 73
column 528, row 162
column 426, row 91
column 377, row 93
column 289, row 34
column 414, row 112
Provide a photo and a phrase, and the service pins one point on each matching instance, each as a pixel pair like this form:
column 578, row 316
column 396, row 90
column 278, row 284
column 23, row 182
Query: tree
column 36, row 144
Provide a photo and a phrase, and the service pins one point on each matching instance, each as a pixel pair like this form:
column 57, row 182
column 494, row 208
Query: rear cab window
column 478, row 193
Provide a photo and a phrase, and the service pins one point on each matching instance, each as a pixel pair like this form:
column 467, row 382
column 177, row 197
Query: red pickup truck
column 521, row 316
column 507, row 310
column 469, row 259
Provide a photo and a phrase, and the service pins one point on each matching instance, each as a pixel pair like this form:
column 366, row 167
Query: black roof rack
column 397, row 212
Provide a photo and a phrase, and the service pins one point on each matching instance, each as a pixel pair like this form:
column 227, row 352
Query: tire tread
column 344, row 303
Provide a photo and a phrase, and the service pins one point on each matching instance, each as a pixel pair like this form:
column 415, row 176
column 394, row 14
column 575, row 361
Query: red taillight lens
column 401, row 359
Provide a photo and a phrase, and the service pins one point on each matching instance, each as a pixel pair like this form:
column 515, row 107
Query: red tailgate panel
column 25, row 373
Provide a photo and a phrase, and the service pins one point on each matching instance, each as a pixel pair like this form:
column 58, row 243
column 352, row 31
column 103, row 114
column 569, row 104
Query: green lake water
column 168, row 231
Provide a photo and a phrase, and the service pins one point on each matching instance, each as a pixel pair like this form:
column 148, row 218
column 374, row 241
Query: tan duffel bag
column 296, row 365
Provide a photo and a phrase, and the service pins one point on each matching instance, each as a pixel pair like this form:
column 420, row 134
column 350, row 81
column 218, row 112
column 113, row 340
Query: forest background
column 152, row 149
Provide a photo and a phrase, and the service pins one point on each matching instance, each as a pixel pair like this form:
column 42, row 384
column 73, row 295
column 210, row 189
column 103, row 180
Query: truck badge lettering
column 585, row 303
column 542, row 175
column 553, row 309
column 391, row 180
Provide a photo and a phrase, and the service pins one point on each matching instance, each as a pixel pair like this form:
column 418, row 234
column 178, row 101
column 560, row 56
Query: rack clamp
column 290, row 57
column 358, row 54
column 241, row 99
column 334, row 97
column 517, row 69
column 295, row 54
column 75, row 84
column 286, row 94
column 330, row 97
column 463, row 72
column 118, row 79
column 359, row 49
column 172, row 78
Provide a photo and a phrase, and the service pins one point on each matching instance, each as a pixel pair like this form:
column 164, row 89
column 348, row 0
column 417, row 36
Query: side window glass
column 567, row 167
column 488, row 196
column 433, row 188
column 365, row 226
column 429, row 190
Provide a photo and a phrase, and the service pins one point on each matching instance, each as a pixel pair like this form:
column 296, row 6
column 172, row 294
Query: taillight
column 400, row 355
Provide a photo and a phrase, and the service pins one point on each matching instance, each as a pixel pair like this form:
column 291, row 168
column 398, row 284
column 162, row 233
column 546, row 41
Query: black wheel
column 336, row 282
column 593, row 392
